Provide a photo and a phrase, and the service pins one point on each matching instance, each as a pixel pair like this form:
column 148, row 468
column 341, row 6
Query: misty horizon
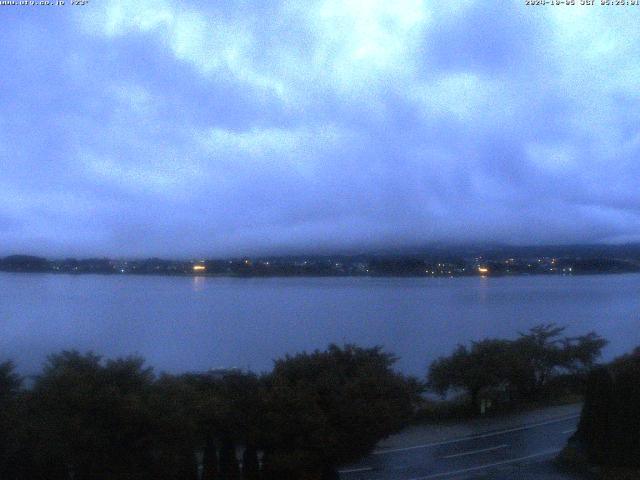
column 453, row 250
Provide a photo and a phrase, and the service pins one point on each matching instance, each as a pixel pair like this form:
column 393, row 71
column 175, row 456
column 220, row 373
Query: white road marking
column 475, row 437
column 489, row 465
column 473, row 452
column 569, row 431
column 354, row 470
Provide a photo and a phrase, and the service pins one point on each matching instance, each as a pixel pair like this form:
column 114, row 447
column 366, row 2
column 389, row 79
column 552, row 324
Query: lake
column 197, row 323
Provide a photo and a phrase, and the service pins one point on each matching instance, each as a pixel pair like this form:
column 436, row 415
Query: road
column 490, row 455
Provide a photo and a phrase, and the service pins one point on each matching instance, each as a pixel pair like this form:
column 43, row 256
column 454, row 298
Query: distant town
column 427, row 262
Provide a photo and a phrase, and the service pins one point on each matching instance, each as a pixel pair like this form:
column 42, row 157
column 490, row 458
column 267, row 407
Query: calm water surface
column 183, row 323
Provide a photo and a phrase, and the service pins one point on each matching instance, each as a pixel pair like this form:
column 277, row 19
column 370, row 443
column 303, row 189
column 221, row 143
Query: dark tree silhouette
column 331, row 407
column 609, row 426
column 10, row 450
column 521, row 368
column 92, row 419
column 485, row 365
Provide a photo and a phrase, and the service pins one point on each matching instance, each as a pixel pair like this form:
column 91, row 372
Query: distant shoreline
column 428, row 264
column 311, row 276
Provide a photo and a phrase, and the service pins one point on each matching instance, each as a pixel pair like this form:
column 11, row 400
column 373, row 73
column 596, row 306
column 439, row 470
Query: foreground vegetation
column 608, row 436
column 87, row 418
column 538, row 366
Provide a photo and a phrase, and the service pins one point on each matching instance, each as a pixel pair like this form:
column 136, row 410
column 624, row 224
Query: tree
column 541, row 349
column 92, row 420
column 240, row 415
column 579, row 354
column 190, row 408
column 10, row 384
column 626, row 422
column 227, row 412
column 609, row 424
column 545, row 354
column 331, row 407
column 522, row 368
column 486, row 365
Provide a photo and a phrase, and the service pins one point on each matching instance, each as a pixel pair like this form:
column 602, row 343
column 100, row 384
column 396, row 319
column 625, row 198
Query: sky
column 236, row 127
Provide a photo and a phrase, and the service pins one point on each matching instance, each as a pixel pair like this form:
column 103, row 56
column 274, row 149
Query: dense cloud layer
column 213, row 128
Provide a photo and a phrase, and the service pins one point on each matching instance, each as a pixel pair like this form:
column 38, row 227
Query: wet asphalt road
column 492, row 455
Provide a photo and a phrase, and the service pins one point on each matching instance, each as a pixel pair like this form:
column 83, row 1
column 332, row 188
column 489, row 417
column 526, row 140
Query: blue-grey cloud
column 213, row 128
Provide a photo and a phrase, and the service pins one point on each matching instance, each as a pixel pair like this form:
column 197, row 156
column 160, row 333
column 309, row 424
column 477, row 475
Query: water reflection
column 198, row 283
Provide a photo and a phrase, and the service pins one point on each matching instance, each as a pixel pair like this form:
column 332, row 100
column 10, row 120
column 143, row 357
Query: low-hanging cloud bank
column 221, row 128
